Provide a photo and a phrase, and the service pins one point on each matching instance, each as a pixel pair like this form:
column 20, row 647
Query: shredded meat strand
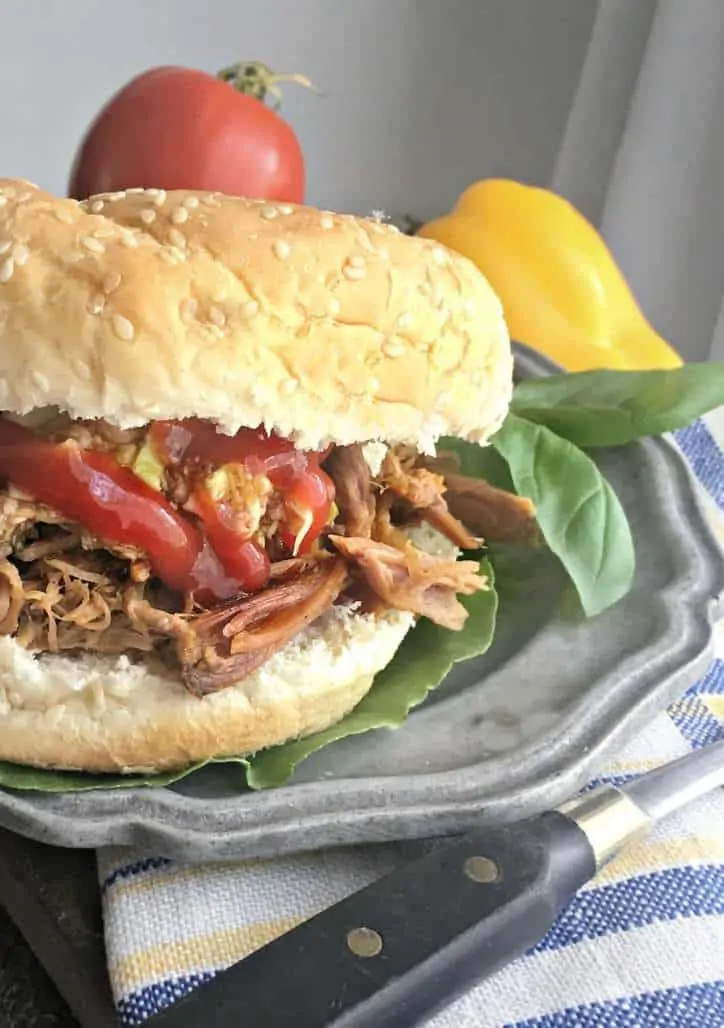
column 223, row 651
column 424, row 491
column 415, row 581
column 348, row 470
column 11, row 597
column 495, row 513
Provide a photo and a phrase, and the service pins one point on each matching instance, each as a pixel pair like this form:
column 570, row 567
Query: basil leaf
column 578, row 512
column 611, row 408
column 422, row 661
column 478, row 461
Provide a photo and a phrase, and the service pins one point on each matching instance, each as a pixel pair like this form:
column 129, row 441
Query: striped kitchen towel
column 642, row 945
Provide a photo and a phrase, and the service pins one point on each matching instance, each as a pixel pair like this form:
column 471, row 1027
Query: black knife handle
column 431, row 929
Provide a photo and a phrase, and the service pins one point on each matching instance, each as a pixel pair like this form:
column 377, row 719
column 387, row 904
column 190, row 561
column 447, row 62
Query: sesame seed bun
column 143, row 305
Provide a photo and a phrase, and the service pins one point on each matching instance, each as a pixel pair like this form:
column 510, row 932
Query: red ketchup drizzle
column 115, row 504
column 305, row 488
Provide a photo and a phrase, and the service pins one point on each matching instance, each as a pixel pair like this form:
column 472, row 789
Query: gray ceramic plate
column 505, row 735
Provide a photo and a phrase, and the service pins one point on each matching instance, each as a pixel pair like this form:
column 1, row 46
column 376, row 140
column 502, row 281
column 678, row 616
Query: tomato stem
column 254, row 78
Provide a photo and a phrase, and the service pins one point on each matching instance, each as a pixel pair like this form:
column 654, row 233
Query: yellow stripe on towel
column 200, row 953
column 653, row 856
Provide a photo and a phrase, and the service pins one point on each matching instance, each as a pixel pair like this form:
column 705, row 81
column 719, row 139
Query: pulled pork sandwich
column 219, row 508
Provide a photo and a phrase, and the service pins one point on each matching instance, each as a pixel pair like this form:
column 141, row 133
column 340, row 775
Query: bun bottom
column 111, row 714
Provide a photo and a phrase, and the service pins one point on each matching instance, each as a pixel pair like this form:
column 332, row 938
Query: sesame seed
column 268, row 213
column 22, row 197
column 285, row 208
column 404, row 320
column 281, row 249
column 5, row 245
column 392, row 348
column 217, row 317
column 210, row 201
column 326, row 221
column 160, row 198
column 147, row 216
column 120, row 194
column 178, row 255
column 97, row 206
column 179, row 216
column 168, row 255
column 176, row 238
column 128, row 239
column 3, row 201
column 191, row 202
column 111, row 282
column 92, row 244
column 439, row 256
column 289, row 386
column 393, row 230
column 189, row 307
column 250, row 308
column 353, row 274
column 357, row 262
column 96, row 304
column 105, row 231
column 333, row 306
column 6, row 269
column 64, row 215
column 20, row 255
column 123, row 327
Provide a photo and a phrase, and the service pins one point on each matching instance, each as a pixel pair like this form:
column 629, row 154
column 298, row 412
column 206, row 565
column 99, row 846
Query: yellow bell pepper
column 561, row 289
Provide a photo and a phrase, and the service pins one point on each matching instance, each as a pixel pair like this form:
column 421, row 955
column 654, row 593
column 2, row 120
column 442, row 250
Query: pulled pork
column 353, row 485
column 412, row 580
column 62, row 589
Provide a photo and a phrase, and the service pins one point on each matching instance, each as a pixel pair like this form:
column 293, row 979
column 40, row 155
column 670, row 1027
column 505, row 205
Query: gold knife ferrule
column 609, row 818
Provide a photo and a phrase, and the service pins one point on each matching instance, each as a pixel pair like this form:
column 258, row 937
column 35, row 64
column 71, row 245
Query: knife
column 394, row 953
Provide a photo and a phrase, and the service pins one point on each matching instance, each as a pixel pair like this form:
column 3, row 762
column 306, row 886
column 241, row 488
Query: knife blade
column 394, row 953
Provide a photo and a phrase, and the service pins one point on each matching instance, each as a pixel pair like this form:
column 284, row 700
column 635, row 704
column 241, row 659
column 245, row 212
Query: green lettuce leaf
column 18, row 776
column 612, row 408
column 421, row 663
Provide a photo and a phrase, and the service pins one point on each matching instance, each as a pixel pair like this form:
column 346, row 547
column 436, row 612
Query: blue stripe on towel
column 131, row 870
column 667, row 895
column 712, row 682
column 702, row 451
column 139, row 1006
column 692, row 1006
column 696, row 722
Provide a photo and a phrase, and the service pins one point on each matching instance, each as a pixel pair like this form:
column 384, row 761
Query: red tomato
column 177, row 128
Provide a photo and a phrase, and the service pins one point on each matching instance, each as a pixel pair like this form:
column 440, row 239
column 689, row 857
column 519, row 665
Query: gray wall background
column 421, row 96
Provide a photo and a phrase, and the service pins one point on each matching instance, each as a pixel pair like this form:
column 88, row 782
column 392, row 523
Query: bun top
column 146, row 304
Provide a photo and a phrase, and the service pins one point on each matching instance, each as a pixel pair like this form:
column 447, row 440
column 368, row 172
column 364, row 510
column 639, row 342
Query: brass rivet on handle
column 481, row 869
column 364, row 942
